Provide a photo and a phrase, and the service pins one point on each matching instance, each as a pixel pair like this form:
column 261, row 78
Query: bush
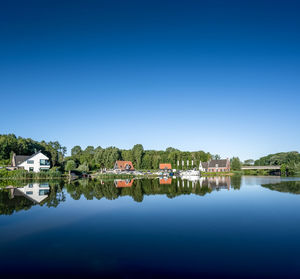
column 23, row 174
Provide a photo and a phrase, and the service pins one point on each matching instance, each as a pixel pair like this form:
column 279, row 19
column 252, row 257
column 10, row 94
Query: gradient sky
column 218, row 76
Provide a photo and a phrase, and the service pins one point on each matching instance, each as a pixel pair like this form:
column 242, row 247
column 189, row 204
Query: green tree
column 76, row 150
column 249, row 162
column 70, row 165
column 283, row 169
column 83, row 167
column 216, row 157
column 235, row 164
column 138, row 151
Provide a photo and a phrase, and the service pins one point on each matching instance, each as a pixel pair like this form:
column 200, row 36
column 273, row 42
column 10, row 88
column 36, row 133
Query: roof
column 124, row 183
column 165, row 180
column 220, row 163
column 214, row 163
column 19, row 159
column 124, row 165
column 204, row 164
column 165, row 166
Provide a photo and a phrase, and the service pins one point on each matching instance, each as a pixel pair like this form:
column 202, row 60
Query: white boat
column 190, row 173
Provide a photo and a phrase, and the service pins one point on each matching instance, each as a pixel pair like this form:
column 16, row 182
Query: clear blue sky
column 218, row 76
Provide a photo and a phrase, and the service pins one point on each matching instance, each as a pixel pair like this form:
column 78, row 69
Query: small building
column 123, row 166
column 36, row 162
column 215, row 166
column 165, row 167
column 165, row 180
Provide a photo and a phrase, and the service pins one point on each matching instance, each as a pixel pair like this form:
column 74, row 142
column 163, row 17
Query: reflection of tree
column 137, row 192
column 236, row 182
column 9, row 205
column 56, row 195
column 107, row 189
column 292, row 187
column 90, row 189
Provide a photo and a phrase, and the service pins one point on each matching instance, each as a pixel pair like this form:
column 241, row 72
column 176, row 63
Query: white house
column 36, row 163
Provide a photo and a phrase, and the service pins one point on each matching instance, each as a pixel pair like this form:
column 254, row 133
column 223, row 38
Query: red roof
column 124, row 183
column 124, row 165
column 165, row 180
column 165, row 166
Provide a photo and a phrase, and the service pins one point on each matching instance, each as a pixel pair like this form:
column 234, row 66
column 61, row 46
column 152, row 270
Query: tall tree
column 70, row 165
column 235, row 163
column 138, row 151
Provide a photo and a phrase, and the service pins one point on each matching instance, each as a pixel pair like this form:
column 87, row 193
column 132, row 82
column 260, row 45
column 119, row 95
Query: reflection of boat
column 191, row 178
column 189, row 173
column 36, row 192
column 123, row 182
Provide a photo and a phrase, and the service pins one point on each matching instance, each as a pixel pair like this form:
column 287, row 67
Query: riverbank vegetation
column 98, row 189
column 91, row 159
column 23, row 174
column 95, row 158
column 289, row 162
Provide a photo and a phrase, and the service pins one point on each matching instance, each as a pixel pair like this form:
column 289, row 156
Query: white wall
column 36, row 163
column 36, row 191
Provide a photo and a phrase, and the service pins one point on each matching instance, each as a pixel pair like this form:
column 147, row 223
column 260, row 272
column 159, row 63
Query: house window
column 44, row 162
column 43, row 192
column 44, row 185
column 44, row 169
column 29, row 193
column 31, row 169
column 30, row 162
column 30, row 185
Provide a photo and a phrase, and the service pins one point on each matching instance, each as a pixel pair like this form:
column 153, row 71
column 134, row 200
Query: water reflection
column 14, row 199
column 292, row 187
column 165, row 180
column 123, row 182
column 50, row 194
column 35, row 192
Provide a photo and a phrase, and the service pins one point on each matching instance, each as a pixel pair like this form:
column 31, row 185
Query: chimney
column 13, row 161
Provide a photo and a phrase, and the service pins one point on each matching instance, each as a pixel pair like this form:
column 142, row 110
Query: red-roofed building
column 165, row 181
column 124, row 166
column 124, row 183
column 165, row 167
column 215, row 166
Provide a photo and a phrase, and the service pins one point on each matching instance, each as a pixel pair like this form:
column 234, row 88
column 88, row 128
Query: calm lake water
column 238, row 227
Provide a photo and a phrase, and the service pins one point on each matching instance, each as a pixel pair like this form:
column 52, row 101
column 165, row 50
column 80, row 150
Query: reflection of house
column 220, row 182
column 215, row 166
column 120, row 183
column 165, row 180
column 36, row 162
column 165, row 167
column 36, row 192
column 123, row 166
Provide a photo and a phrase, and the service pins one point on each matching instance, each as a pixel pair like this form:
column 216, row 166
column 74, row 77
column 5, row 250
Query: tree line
column 92, row 158
column 98, row 189
column 10, row 144
column 289, row 162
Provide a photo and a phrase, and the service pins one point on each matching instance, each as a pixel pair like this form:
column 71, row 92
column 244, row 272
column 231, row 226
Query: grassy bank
column 112, row 176
column 217, row 173
column 253, row 172
column 23, row 175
